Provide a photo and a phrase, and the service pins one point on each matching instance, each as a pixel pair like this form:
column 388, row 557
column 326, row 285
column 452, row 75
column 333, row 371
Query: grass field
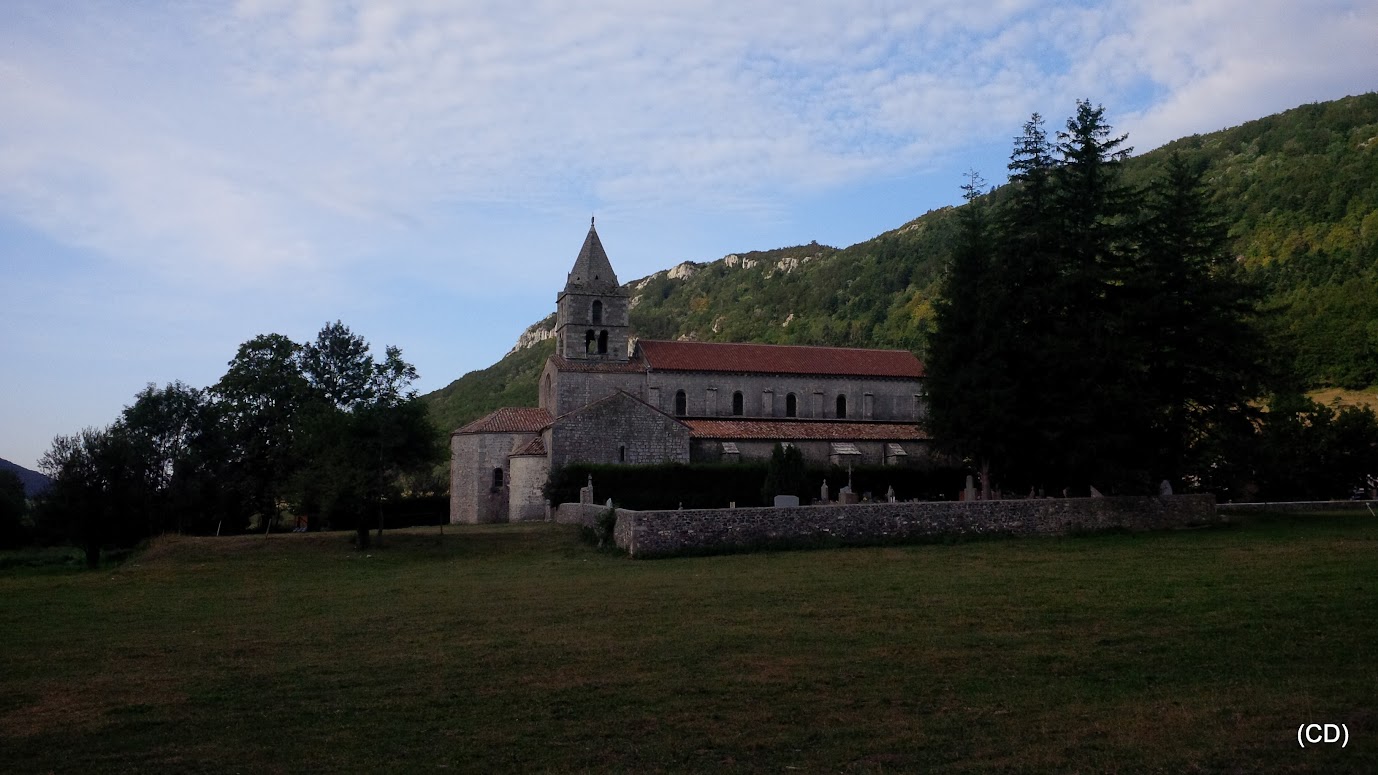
column 518, row 648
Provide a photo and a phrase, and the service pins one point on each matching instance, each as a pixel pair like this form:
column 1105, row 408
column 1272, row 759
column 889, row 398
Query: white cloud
column 1218, row 63
column 296, row 135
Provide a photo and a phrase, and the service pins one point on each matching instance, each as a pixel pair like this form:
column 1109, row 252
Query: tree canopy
column 319, row 429
column 1089, row 331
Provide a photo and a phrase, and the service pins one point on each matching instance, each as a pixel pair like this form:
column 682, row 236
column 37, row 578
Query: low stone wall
column 707, row 531
column 1293, row 506
column 585, row 514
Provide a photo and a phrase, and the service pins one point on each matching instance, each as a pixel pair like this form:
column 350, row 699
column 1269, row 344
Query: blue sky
column 176, row 178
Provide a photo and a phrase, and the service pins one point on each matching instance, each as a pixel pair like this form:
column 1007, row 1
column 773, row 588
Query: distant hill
column 34, row 482
column 1297, row 190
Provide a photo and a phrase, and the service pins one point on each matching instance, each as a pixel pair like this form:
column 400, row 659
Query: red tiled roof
column 510, row 419
column 634, row 366
column 778, row 359
column 536, row 447
column 804, row 430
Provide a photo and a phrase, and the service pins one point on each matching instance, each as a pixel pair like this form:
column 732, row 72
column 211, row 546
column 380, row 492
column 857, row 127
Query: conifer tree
column 1200, row 354
column 1094, row 333
column 973, row 389
column 1087, row 358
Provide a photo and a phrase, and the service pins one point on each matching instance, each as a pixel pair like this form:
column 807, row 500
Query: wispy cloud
column 177, row 177
column 292, row 134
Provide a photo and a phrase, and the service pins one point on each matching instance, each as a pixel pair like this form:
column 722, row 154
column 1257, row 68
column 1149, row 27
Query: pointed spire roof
column 592, row 270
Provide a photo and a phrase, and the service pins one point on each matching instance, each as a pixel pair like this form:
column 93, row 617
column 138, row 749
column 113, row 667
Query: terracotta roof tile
column 536, row 447
column 778, row 359
column 510, row 419
column 804, row 430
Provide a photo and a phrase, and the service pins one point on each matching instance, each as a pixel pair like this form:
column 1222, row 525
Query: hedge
column 716, row 485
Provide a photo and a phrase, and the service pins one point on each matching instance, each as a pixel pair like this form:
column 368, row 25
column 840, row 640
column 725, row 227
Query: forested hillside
column 1298, row 190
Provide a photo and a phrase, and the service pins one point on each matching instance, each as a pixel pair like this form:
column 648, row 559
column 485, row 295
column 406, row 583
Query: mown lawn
column 518, row 648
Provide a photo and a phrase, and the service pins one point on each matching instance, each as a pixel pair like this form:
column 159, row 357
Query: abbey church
column 608, row 398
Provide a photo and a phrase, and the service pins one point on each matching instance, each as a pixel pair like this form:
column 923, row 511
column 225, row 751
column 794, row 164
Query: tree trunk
column 380, row 522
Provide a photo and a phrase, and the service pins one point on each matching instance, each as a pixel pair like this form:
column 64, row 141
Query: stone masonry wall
column 473, row 456
column 578, row 514
column 814, row 452
column 572, row 390
column 620, row 430
column 525, row 501
column 704, row 531
column 764, row 395
column 1294, row 506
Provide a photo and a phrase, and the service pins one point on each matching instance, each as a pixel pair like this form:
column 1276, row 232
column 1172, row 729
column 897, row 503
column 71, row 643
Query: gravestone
column 890, row 495
column 823, row 493
column 586, row 493
column 783, row 501
column 1164, row 488
column 1095, row 493
column 845, row 496
column 969, row 494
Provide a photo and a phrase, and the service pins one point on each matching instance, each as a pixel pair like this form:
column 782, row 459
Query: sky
column 177, row 178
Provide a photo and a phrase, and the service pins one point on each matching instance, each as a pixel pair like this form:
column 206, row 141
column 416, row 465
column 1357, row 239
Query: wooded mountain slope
column 1298, row 191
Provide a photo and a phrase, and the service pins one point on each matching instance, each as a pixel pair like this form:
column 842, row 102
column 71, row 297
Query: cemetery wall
column 647, row 534
column 585, row 514
column 1292, row 506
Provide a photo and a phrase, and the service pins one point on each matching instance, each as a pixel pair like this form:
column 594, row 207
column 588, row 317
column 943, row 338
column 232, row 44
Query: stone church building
column 607, row 398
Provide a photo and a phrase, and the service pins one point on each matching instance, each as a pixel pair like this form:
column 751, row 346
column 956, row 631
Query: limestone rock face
column 537, row 332
column 683, row 271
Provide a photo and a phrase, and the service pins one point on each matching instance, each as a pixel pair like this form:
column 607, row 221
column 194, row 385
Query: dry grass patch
column 1342, row 397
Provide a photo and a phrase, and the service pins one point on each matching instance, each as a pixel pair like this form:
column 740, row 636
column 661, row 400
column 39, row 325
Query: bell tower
column 591, row 312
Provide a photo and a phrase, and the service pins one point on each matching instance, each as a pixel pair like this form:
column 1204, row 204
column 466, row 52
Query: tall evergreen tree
column 970, row 387
column 1199, row 352
column 1025, row 246
column 1096, row 332
column 1087, row 358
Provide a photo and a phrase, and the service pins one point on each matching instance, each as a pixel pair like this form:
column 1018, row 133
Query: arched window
column 590, row 339
column 841, row 406
column 681, row 403
column 597, row 313
column 602, row 342
column 497, row 478
column 737, row 404
column 791, row 406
